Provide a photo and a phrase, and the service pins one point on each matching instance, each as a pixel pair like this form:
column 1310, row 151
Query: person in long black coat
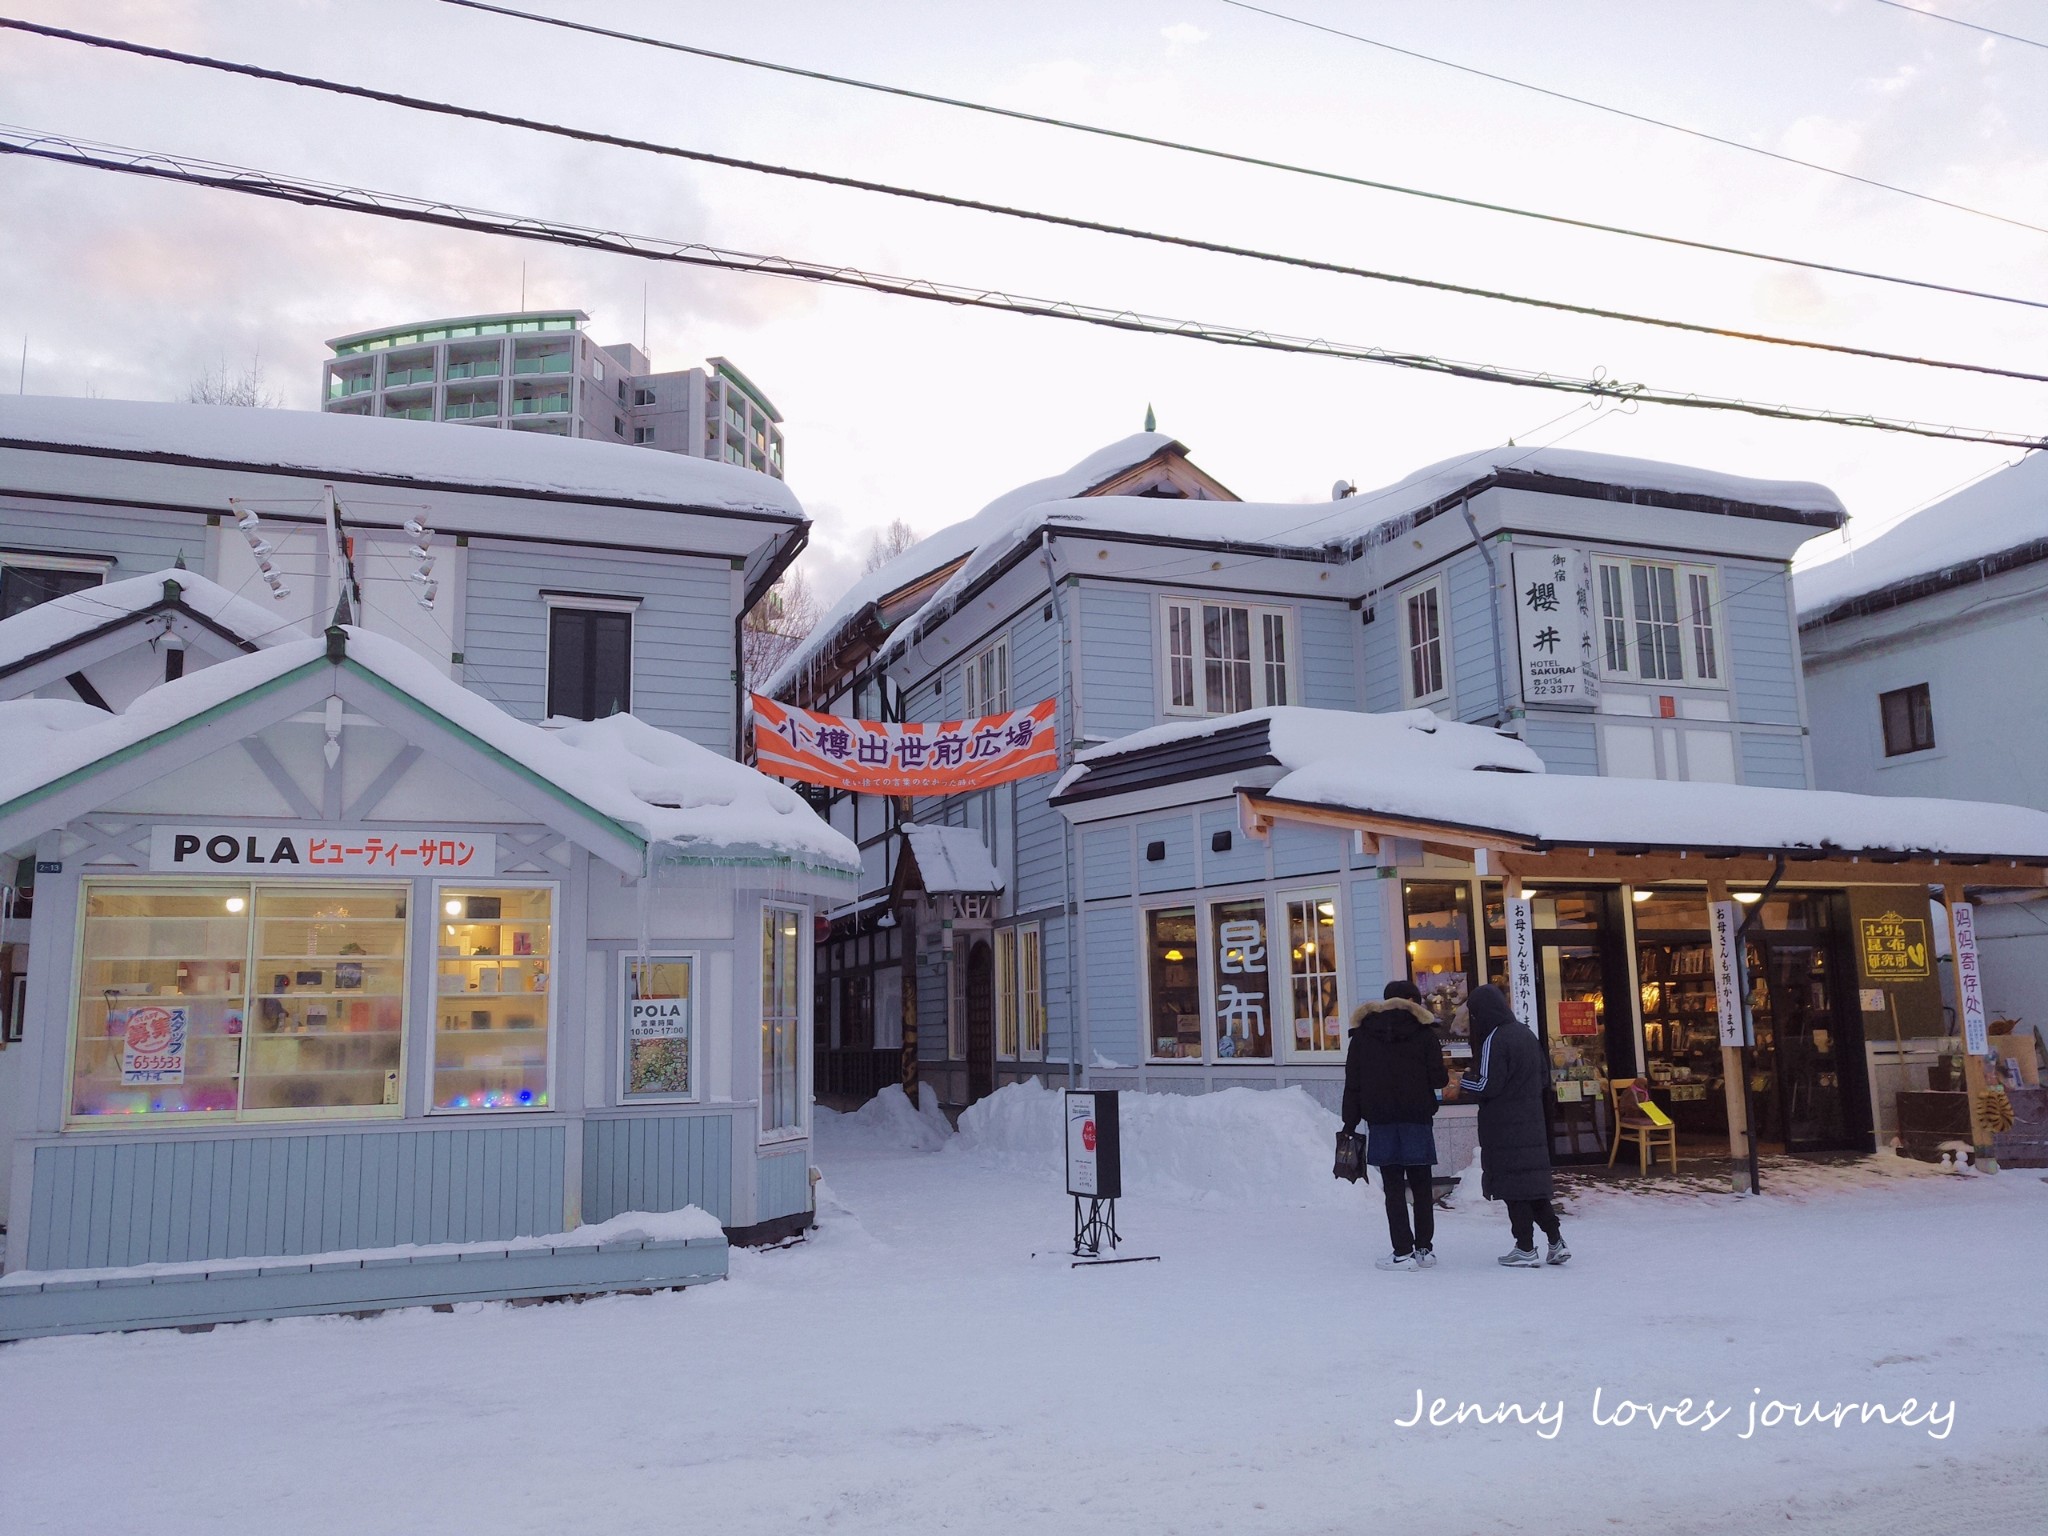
column 1509, row 1077
column 1393, row 1068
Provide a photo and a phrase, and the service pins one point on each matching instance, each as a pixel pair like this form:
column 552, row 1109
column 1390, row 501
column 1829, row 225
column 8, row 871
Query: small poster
column 1894, row 948
column 658, row 1028
column 153, row 1046
column 1577, row 1016
column 1094, row 1150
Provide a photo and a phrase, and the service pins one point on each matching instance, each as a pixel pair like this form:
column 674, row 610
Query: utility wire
column 1235, row 157
column 1185, row 242
column 1957, row 21
column 1636, row 117
column 257, row 183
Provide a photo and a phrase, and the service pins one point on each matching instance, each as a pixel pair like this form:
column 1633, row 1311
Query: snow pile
column 885, row 1122
column 1999, row 513
column 346, row 447
column 48, row 625
column 952, row 858
column 1251, row 1146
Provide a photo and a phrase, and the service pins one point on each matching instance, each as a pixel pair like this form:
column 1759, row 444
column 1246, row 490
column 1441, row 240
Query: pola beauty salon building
column 336, row 955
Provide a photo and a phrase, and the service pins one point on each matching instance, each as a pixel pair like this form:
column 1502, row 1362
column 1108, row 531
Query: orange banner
column 874, row 757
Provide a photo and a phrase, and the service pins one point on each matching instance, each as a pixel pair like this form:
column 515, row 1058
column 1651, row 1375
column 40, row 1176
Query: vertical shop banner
column 875, row 757
column 1554, row 627
column 1969, row 982
column 1730, row 983
column 1520, row 917
column 153, row 1046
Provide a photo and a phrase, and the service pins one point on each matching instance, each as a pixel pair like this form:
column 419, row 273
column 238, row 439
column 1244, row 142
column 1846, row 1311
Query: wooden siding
column 1059, row 1016
column 657, row 1163
column 1176, row 871
column 1109, row 984
column 1472, row 636
column 1566, row 746
column 1245, row 859
column 1383, row 658
column 1760, row 645
column 783, row 1186
column 1105, row 861
column 1328, row 669
column 1773, row 759
column 1368, row 959
column 96, row 1204
column 1119, row 667
column 1304, row 850
column 137, row 542
column 682, row 632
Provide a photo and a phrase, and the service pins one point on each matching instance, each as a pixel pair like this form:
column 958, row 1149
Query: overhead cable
column 1638, row 117
column 1185, row 242
column 1957, row 21
column 257, row 183
column 1235, row 157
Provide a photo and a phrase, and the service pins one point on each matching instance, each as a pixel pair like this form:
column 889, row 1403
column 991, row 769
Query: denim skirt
column 1400, row 1144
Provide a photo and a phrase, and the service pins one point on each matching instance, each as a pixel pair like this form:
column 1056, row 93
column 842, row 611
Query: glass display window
column 239, row 1001
column 494, row 1003
column 1440, row 954
column 784, row 933
column 1315, row 1008
column 1241, row 991
column 660, row 1055
column 1173, row 996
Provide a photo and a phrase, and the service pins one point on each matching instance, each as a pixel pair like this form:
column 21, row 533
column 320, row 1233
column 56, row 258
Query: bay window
column 1657, row 622
column 1224, row 657
column 493, row 1007
column 1423, row 678
column 783, row 964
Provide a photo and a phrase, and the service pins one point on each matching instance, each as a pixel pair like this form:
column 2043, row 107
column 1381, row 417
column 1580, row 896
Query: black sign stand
column 1095, row 1174
column 1093, row 1224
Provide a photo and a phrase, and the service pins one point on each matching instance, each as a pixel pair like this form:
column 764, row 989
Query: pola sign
column 319, row 851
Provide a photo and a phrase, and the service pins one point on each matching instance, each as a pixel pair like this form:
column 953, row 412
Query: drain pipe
column 1067, row 923
column 1500, row 670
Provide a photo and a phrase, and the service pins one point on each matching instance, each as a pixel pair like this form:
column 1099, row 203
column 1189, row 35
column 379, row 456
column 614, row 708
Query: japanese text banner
column 879, row 758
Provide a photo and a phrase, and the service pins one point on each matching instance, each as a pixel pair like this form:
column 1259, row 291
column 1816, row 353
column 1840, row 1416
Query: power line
column 1957, row 21
column 1237, row 158
column 257, row 183
column 1185, row 242
column 1636, row 117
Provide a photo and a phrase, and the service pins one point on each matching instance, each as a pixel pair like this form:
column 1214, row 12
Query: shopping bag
column 1350, row 1163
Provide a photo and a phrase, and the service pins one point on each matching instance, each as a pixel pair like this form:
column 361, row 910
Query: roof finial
column 1151, row 421
column 179, row 563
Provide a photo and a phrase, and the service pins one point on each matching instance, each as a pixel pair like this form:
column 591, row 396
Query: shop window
column 986, row 682
column 23, row 587
column 1031, row 991
column 1172, row 989
column 782, row 974
column 660, row 1058
column 493, row 1008
column 1440, row 956
column 1221, row 658
column 1422, row 636
column 1908, row 720
column 1314, row 1007
column 1242, row 991
column 1657, row 622
column 590, row 661
column 1006, row 994
column 229, row 1001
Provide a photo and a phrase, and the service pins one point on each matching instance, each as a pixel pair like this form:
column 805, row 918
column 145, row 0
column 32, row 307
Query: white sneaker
column 1520, row 1258
column 1400, row 1261
column 1558, row 1253
column 1425, row 1258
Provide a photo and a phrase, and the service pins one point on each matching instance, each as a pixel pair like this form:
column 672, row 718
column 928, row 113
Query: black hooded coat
column 1393, row 1065
column 1508, row 1079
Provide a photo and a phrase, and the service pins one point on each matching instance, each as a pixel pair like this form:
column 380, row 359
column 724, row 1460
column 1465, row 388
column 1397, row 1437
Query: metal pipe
column 1500, row 671
column 1068, row 936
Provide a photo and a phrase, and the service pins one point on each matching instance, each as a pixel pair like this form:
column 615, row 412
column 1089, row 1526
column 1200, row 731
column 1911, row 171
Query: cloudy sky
column 896, row 409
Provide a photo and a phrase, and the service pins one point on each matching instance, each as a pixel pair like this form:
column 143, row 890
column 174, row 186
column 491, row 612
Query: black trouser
column 1399, row 1183
column 1523, row 1215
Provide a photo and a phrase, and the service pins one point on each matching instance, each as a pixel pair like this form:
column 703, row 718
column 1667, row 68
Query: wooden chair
column 1633, row 1123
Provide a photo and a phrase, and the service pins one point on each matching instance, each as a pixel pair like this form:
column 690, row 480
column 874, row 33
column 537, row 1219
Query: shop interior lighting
column 1640, row 895
column 235, row 903
column 453, row 907
column 1749, row 898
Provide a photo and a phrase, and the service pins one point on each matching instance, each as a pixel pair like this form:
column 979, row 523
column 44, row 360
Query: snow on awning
column 952, row 859
column 48, row 626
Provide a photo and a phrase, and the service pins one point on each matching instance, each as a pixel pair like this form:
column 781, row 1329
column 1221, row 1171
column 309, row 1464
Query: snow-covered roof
column 358, row 447
column 658, row 786
column 952, row 858
column 2003, row 513
column 938, row 550
column 61, row 620
column 1414, row 740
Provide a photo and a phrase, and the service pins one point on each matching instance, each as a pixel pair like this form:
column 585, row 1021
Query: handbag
column 1350, row 1161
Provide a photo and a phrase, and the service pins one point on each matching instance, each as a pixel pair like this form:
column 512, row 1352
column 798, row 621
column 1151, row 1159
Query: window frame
column 1007, row 1019
column 554, row 958
column 1693, row 631
column 1031, row 991
column 1213, row 974
column 1884, row 732
column 628, row 958
column 1258, row 616
column 1436, row 588
column 800, row 1027
column 1284, row 900
column 559, row 602
column 1145, row 911
column 973, row 705
column 81, row 565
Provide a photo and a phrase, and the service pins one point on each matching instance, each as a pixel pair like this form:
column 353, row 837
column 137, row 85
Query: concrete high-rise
column 539, row 371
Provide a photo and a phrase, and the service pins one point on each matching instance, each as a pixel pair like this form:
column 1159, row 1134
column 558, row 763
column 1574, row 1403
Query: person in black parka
column 1508, row 1079
column 1393, row 1068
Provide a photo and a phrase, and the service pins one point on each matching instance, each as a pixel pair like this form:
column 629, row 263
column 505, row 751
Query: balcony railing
column 395, row 377
column 486, row 368
column 342, row 387
column 557, row 362
column 540, row 405
column 465, row 410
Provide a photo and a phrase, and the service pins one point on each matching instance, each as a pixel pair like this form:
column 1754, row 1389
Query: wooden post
column 1734, row 1066
column 1974, row 1081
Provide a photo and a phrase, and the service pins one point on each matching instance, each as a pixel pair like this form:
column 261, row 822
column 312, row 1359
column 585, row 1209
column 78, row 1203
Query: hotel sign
column 1553, row 592
column 294, row 850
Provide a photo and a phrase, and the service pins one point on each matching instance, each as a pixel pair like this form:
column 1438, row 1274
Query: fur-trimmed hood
column 1392, row 1018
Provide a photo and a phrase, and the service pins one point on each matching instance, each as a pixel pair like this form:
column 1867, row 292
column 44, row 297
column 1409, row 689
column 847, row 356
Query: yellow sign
column 1894, row 947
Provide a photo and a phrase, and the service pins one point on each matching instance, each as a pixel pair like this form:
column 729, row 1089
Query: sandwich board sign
column 1094, row 1147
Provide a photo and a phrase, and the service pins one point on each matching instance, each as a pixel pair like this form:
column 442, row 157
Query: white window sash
column 1681, row 646
column 1292, row 971
column 1424, row 677
column 1194, row 683
column 1006, row 994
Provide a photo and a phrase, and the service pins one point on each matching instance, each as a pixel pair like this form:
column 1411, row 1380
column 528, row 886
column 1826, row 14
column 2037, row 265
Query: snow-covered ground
column 928, row 1361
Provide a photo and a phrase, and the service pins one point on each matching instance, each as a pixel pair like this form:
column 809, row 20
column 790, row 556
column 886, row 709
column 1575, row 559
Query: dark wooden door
column 981, row 1021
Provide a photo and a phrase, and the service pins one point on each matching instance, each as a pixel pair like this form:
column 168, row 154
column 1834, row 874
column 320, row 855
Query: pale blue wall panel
column 137, row 542
column 1119, row 672
column 1760, row 644
column 1328, row 669
column 1305, row 850
column 1565, row 745
column 1369, row 972
column 1244, row 859
column 1110, row 984
column 1381, row 682
column 1471, row 627
column 1176, row 870
column 657, row 1163
column 784, row 1188
column 1106, row 856
column 1774, row 759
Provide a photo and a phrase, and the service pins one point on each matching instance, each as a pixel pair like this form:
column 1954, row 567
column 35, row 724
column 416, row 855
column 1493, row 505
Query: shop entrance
column 981, row 1022
column 1582, row 995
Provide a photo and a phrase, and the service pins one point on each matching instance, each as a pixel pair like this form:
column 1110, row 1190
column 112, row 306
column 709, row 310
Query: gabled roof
column 41, row 633
column 619, row 781
column 951, row 859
